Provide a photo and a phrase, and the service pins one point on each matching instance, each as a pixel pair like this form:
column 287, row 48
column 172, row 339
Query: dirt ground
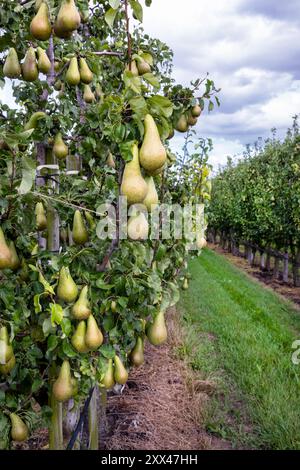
column 286, row 290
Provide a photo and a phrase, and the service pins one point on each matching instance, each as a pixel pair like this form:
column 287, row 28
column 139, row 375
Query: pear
column 110, row 161
column 185, row 284
column 67, row 289
column 151, row 199
column 93, row 336
column 157, row 331
column 73, row 75
column 15, row 262
column 6, row 369
column 108, row 380
column 113, row 306
column 133, row 186
column 171, row 134
column 90, row 220
column 152, row 153
column 68, row 18
column 19, row 431
column 78, row 338
column 5, row 253
column 12, row 67
column 57, row 85
column 143, row 67
column 81, row 309
column 41, row 218
column 38, row 4
column 6, row 350
column 63, row 388
column 120, row 373
column 88, row 95
column 33, row 121
column 60, row 149
column 192, row 121
column 133, row 68
column 44, row 64
column 156, row 172
column 79, row 233
column 196, row 110
column 86, row 75
column 29, row 67
column 137, row 354
column 138, row 227
column 61, row 33
column 182, row 124
column 40, row 26
column 74, row 383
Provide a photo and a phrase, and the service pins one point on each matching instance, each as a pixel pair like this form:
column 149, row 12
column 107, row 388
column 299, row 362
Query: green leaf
column 160, row 105
column 52, row 343
column 150, row 78
column 114, row 4
column 148, row 3
column 108, row 351
column 57, row 314
column 37, row 383
column 102, row 285
column 36, row 303
column 110, row 16
column 68, row 349
column 138, row 106
column 28, row 175
column 47, row 287
column 132, row 82
column 66, row 326
column 137, row 9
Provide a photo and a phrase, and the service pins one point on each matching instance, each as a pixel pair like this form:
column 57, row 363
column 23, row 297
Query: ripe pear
column 19, row 431
column 5, row 253
column 78, row 338
column 157, row 331
column 67, row 289
column 108, row 381
column 32, row 123
column 196, row 110
column 81, row 309
column 151, row 199
column 68, row 18
column 133, row 68
column 156, row 172
column 80, row 234
column 15, row 262
column 152, row 153
column 137, row 354
column 143, row 67
column 133, row 186
column 185, row 284
column 63, row 388
column 86, row 75
column 182, row 124
column 38, row 4
column 120, row 373
column 30, row 71
column 12, row 67
column 192, row 121
column 73, row 75
column 6, row 369
column 88, row 95
column 44, row 64
column 138, row 227
column 6, row 349
column 60, row 149
column 93, row 336
column 41, row 218
column 110, row 161
column 40, row 26
column 61, row 33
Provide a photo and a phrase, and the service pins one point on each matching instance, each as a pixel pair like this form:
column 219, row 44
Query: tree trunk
column 262, row 263
column 276, row 267
column 285, row 274
column 250, row 255
column 296, row 266
column 268, row 262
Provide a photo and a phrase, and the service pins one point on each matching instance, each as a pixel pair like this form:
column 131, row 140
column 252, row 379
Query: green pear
column 40, row 26
column 157, row 172
column 40, row 217
column 5, row 253
column 61, row 33
column 6, row 369
column 157, row 331
column 68, row 18
column 151, row 199
column 67, row 289
column 93, row 336
column 33, row 121
column 108, row 380
column 6, row 349
column 86, row 75
column 90, row 220
column 143, row 67
column 44, row 64
column 185, row 284
column 78, row 338
column 110, row 161
column 74, row 383
column 58, row 85
column 73, row 75
column 38, row 4
column 81, row 309
column 60, row 149
column 19, row 431
column 12, row 67
column 137, row 354
column 120, row 373
column 88, row 95
column 196, row 110
column 133, row 186
column 138, row 227
column 152, row 153
column 30, row 70
column 63, row 387
column 113, row 306
column 15, row 262
column 192, row 121
column 133, row 68
column 182, row 124
column 79, row 233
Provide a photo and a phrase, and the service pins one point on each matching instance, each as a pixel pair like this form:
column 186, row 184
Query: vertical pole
column 55, row 429
column 93, row 421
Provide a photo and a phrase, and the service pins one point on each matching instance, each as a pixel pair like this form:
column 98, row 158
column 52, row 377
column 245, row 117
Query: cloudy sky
column 251, row 48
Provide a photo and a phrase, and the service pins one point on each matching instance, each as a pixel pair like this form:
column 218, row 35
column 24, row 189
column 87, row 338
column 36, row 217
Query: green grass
column 240, row 334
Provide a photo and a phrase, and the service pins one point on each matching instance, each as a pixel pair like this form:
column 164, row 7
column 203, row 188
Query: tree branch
column 129, row 48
